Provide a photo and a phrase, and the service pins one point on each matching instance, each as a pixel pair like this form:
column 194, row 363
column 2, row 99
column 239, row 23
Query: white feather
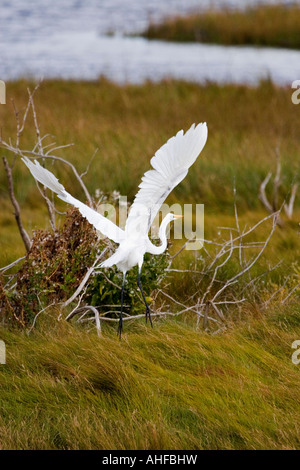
column 101, row 223
column 170, row 166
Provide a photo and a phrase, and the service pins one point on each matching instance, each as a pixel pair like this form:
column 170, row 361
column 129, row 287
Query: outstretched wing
column 101, row 223
column 170, row 166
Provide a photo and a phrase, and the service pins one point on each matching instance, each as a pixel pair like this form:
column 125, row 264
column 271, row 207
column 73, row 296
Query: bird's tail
column 45, row 177
column 114, row 259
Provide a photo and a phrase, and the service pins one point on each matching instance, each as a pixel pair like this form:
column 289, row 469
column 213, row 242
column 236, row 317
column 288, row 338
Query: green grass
column 168, row 388
column 172, row 387
column 275, row 26
column 129, row 123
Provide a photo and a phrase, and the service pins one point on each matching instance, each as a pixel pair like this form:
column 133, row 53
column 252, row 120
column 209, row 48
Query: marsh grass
column 265, row 25
column 168, row 388
column 247, row 128
column 129, row 123
column 173, row 387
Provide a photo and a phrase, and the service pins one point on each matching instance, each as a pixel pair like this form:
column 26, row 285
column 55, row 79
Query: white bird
column 170, row 166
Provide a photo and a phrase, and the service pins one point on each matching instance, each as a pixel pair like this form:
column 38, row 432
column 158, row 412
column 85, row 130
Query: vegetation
column 190, row 382
column 168, row 388
column 127, row 124
column 264, row 25
column 55, row 266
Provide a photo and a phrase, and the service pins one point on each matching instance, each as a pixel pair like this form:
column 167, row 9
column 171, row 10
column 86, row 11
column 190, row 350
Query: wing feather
column 101, row 223
column 170, row 165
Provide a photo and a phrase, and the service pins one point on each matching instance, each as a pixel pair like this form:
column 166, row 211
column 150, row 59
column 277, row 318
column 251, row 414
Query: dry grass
column 128, row 124
column 167, row 388
column 172, row 387
column 276, row 26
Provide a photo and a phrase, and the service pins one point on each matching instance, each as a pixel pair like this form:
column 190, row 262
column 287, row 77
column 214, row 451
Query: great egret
column 170, row 166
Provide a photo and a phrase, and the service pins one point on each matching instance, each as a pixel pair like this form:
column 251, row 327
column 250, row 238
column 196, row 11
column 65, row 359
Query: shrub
column 56, row 264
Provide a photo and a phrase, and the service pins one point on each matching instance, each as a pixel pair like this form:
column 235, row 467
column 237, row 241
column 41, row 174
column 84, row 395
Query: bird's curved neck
column 158, row 250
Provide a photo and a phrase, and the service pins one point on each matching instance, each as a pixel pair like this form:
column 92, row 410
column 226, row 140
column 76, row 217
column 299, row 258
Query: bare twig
column 37, row 315
column 36, row 155
column 262, row 193
column 263, row 197
column 289, row 208
column 17, row 212
column 205, row 316
column 191, row 309
column 277, row 181
column 108, row 280
column 182, row 248
column 6, row 268
column 84, row 280
column 290, row 293
column 136, row 317
column 86, row 309
column 49, row 205
column 249, row 265
column 219, row 312
column 89, row 164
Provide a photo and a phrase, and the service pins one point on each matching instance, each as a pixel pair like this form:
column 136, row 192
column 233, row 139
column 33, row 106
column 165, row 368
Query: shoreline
column 264, row 25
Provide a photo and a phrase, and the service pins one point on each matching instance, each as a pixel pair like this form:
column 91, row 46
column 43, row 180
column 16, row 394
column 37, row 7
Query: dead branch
column 17, row 211
column 108, row 280
column 134, row 317
column 289, row 208
column 39, row 149
column 9, row 266
column 89, row 164
column 37, row 315
column 194, row 308
column 274, row 206
column 39, row 144
column 277, row 181
column 252, row 282
column 205, row 316
column 86, row 309
column 262, row 193
column 84, row 280
column 249, row 265
column 36, row 155
column 290, row 293
column 219, row 312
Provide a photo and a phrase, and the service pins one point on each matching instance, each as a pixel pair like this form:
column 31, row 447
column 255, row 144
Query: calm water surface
column 68, row 39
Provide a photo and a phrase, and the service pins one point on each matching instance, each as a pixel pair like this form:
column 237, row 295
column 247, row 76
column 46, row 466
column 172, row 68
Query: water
column 69, row 39
column 31, row 19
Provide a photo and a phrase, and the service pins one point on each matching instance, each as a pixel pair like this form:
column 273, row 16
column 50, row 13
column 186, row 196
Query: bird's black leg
column 120, row 328
column 148, row 313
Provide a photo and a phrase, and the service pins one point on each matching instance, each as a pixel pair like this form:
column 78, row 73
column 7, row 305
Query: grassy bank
column 173, row 387
column 128, row 124
column 247, row 126
column 167, row 388
column 275, row 26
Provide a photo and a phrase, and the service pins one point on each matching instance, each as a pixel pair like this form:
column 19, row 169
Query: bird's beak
column 178, row 216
